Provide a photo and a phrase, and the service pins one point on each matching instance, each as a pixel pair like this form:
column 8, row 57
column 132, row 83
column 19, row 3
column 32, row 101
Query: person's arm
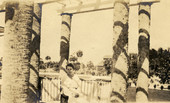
column 63, row 72
column 63, row 76
column 78, row 81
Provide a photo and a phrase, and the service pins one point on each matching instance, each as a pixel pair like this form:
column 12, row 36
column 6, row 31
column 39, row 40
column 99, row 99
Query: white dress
column 71, row 87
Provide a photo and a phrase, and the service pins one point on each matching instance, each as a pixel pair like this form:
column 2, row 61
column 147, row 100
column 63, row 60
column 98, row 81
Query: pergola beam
column 2, row 5
column 87, row 7
column 83, row 6
column 46, row 1
column 93, row 10
column 144, row 1
column 97, row 5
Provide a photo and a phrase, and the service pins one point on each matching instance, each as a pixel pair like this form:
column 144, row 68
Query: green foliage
column 49, row 64
column 79, row 53
column 133, row 70
column 76, row 65
column 90, row 65
column 48, row 58
column 108, row 65
column 160, row 64
column 73, row 58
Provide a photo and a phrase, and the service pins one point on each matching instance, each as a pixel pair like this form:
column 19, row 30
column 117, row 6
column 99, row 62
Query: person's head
column 70, row 69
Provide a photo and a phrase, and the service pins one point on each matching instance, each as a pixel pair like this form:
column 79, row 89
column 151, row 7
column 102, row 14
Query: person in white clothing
column 70, row 85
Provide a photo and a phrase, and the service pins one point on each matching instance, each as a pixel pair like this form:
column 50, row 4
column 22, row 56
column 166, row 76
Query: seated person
column 70, row 85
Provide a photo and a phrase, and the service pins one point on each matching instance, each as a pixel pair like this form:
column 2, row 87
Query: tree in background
column 79, row 53
column 108, row 65
column 160, row 64
column 75, row 59
column 133, row 70
column 90, row 65
column 49, row 64
column 47, row 58
column 91, row 68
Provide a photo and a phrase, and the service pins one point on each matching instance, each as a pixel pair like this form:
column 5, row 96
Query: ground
column 155, row 95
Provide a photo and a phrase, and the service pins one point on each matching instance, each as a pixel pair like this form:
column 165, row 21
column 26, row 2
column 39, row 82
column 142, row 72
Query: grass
column 154, row 95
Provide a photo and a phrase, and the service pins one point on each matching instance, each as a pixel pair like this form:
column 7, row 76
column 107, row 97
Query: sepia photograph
column 84, row 51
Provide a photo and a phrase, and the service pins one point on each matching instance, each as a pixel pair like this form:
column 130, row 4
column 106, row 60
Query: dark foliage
column 108, row 65
column 160, row 64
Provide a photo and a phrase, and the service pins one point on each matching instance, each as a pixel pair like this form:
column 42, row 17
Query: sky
column 160, row 24
column 93, row 34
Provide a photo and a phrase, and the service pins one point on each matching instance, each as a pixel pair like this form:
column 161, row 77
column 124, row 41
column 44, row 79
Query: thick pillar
column 65, row 36
column 120, row 55
column 143, row 52
column 64, row 46
column 35, row 55
column 17, row 39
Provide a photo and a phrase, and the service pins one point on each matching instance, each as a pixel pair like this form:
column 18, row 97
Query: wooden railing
column 95, row 88
column 50, row 87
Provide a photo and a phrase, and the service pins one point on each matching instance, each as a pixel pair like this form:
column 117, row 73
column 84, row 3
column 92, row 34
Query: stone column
column 35, row 55
column 65, row 36
column 120, row 55
column 64, row 46
column 143, row 52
